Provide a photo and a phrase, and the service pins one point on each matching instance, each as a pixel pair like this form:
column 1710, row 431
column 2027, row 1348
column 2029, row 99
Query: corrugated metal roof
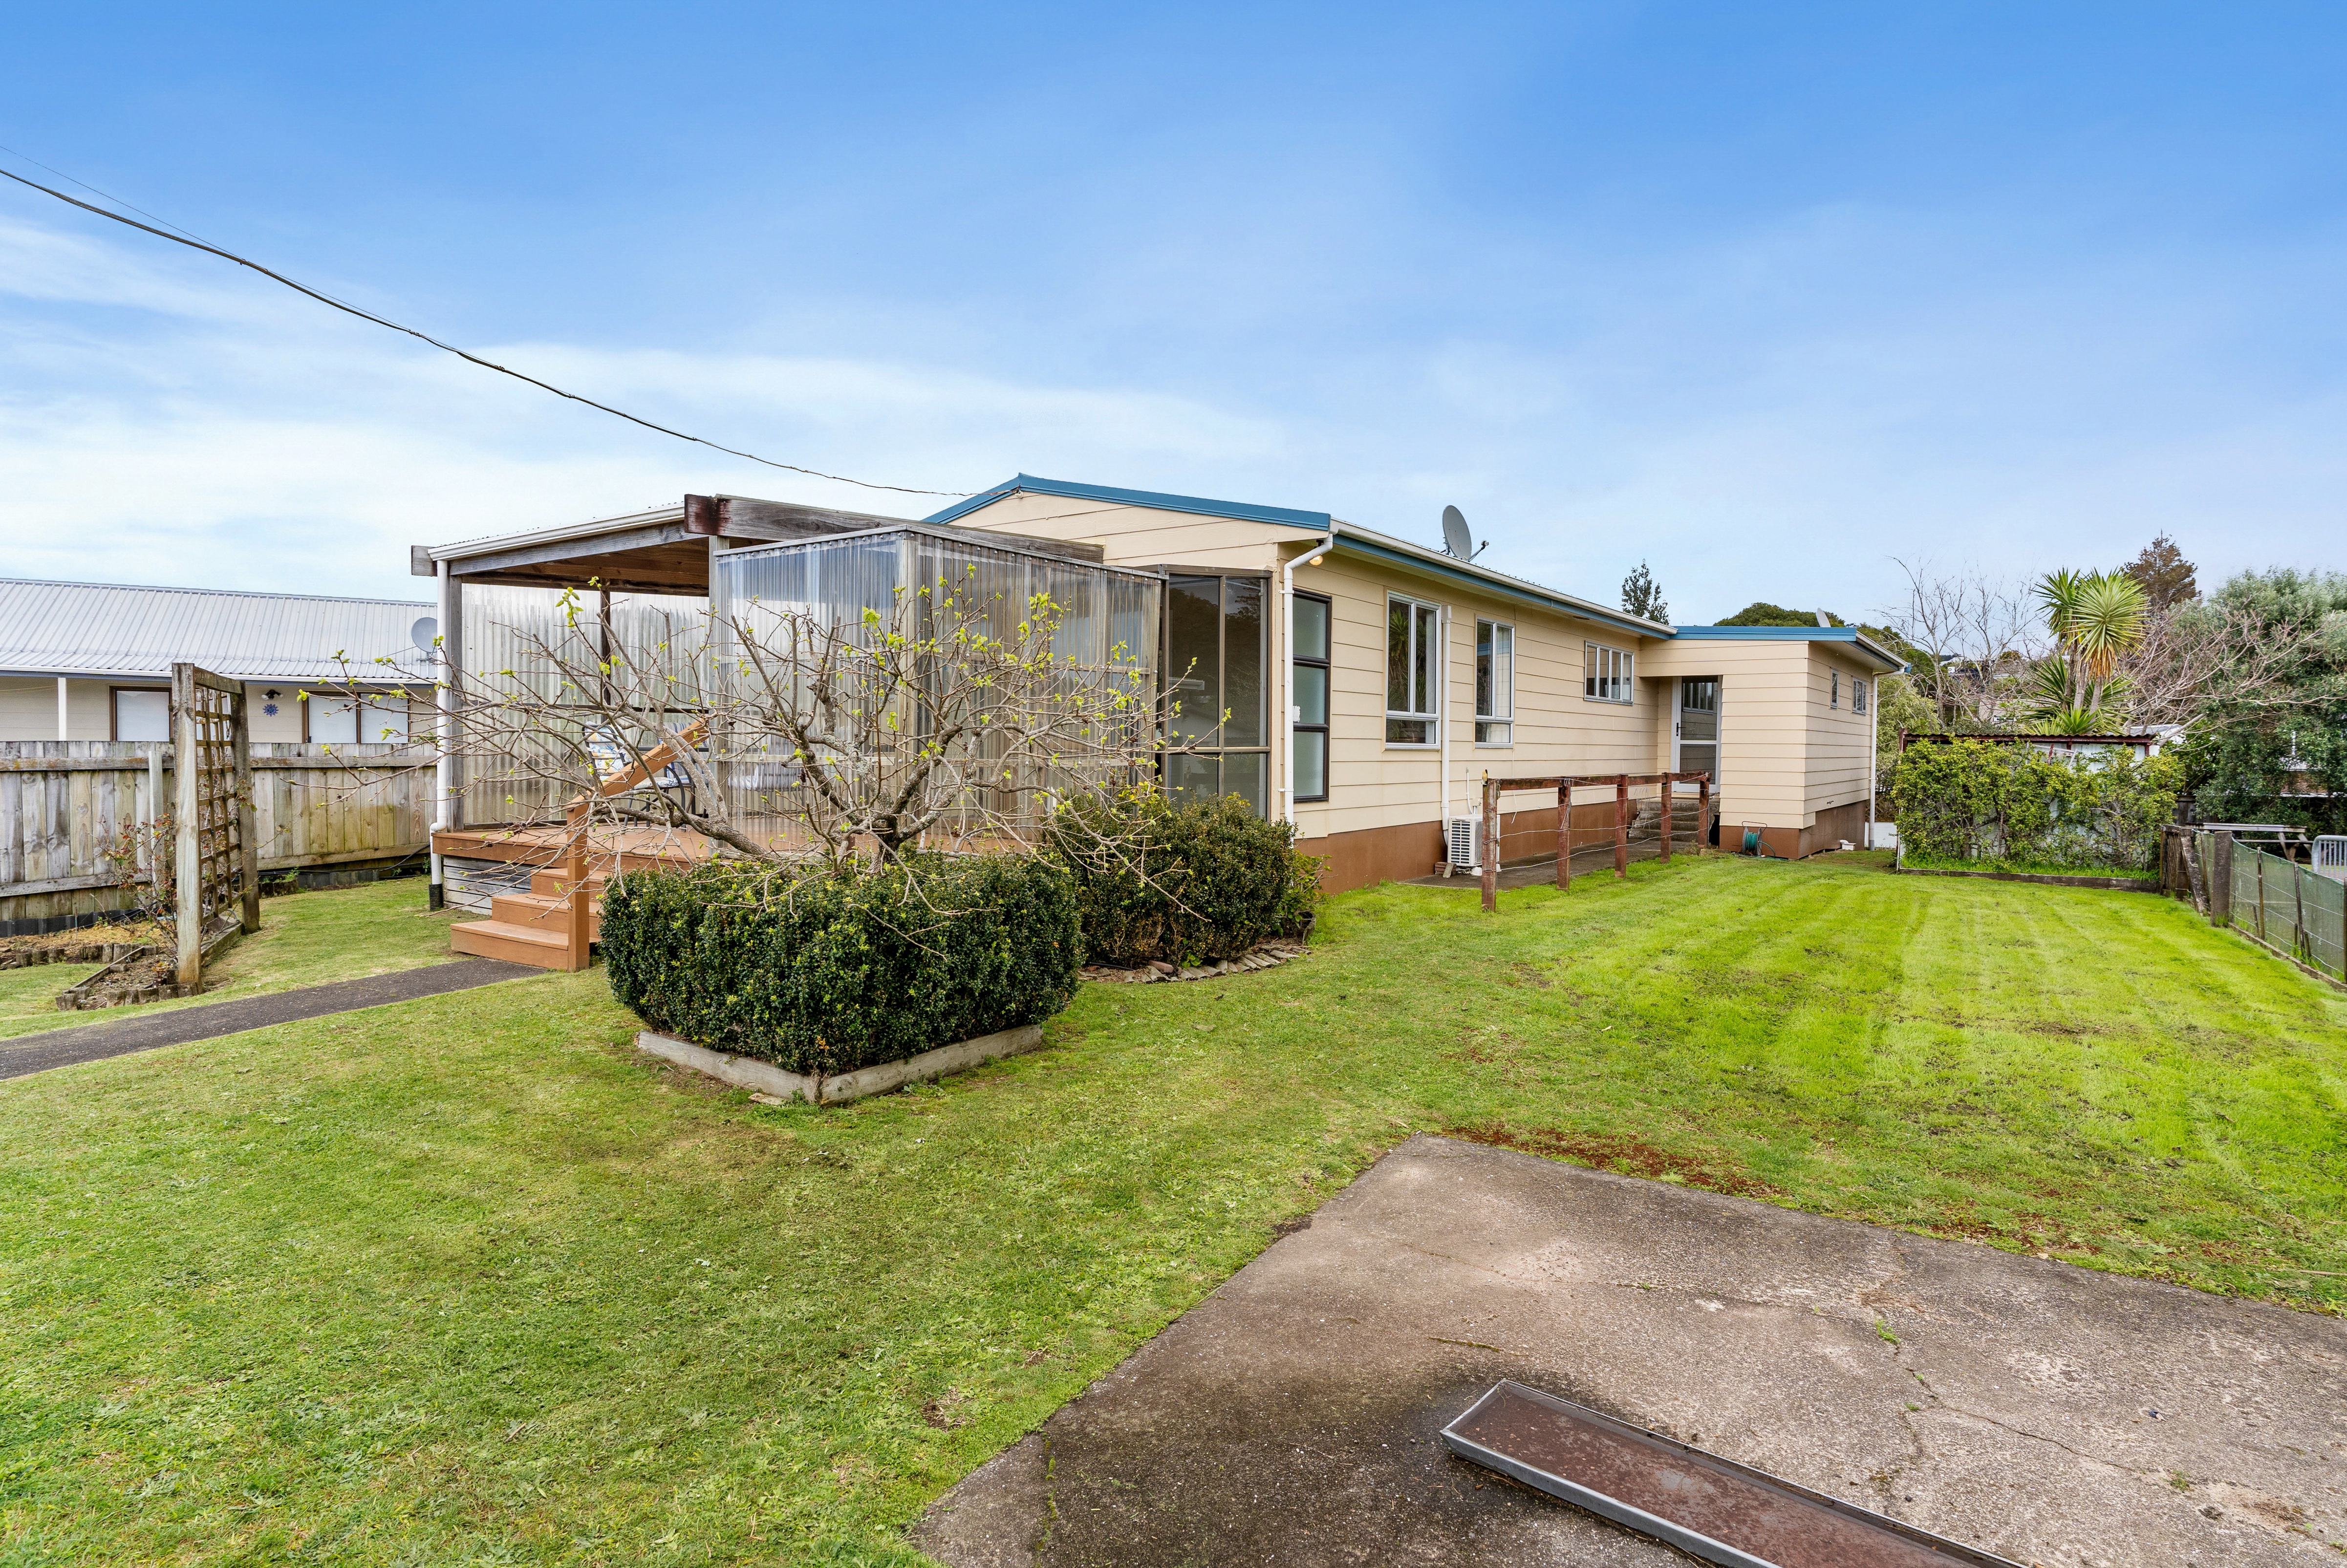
column 100, row 629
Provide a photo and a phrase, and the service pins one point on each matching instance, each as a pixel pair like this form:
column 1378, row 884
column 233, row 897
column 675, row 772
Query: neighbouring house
column 92, row 662
column 2139, row 745
column 1371, row 682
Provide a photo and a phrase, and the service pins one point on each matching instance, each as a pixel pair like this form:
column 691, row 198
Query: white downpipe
column 1874, row 744
column 65, row 715
column 1287, row 674
column 444, row 767
column 1442, row 718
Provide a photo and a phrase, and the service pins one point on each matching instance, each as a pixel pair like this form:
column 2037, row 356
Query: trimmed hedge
column 825, row 973
column 1184, row 885
column 2011, row 805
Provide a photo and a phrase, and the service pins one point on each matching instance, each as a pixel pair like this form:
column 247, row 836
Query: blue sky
column 1763, row 295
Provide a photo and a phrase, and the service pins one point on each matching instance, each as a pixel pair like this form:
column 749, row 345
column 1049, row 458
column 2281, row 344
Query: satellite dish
column 421, row 634
column 1456, row 541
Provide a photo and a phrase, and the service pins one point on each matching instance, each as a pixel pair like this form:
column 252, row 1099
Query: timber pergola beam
column 1564, row 784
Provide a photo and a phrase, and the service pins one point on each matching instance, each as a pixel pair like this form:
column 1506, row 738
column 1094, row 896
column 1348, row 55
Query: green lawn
column 464, row 1281
column 305, row 939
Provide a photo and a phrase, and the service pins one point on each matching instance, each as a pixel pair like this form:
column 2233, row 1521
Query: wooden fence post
column 186, row 868
column 1621, row 826
column 1670, row 805
column 248, row 841
column 2220, row 879
column 1491, row 856
column 1703, row 814
column 1563, row 835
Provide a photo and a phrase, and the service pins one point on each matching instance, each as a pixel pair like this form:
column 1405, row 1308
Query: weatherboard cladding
column 1287, row 516
column 1345, row 537
column 101, row 630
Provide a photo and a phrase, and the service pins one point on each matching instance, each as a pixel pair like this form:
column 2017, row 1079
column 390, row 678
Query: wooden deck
column 536, row 927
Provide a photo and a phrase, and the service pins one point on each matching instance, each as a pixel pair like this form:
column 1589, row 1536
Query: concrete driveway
column 2043, row 1411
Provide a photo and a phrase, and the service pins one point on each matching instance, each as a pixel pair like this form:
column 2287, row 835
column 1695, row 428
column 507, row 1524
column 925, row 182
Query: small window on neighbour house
column 1606, row 673
column 1495, row 682
column 1858, row 696
column 1413, row 672
column 1834, row 701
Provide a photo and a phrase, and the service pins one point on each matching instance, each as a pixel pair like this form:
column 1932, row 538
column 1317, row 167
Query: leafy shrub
column 1191, row 884
column 824, row 972
column 2009, row 804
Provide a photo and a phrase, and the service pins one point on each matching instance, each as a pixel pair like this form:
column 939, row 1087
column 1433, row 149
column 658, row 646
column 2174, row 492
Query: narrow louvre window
column 1414, row 671
column 1495, row 682
column 1606, row 673
column 1835, row 700
column 1858, row 696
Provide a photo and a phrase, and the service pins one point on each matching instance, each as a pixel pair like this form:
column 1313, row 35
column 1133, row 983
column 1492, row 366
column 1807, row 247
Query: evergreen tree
column 1642, row 596
column 2168, row 578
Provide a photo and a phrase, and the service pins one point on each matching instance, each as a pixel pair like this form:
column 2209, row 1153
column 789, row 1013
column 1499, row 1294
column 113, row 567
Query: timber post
column 186, row 864
column 1703, row 813
column 1491, row 856
column 581, row 905
column 247, row 840
column 2220, row 879
column 1563, row 835
column 1621, row 826
column 1670, row 806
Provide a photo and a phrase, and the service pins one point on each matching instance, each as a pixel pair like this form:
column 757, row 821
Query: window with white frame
column 1834, row 699
column 1606, row 673
column 1495, row 683
column 1857, row 695
column 1413, row 672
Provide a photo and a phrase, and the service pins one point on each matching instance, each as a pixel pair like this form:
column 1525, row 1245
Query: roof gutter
column 1353, row 542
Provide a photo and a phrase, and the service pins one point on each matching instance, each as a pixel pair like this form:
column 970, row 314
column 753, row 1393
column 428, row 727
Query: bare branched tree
column 2194, row 651
column 1979, row 635
column 783, row 735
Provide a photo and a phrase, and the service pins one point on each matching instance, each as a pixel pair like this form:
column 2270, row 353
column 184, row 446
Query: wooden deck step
column 515, row 944
column 556, row 885
column 544, row 912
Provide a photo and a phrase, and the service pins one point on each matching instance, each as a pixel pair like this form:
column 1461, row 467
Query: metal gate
column 217, row 863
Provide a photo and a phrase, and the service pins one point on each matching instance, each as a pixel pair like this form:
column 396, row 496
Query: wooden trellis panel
column 218, row 861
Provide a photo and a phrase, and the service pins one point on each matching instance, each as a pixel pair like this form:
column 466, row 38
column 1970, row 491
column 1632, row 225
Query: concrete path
column 95, row 1041
column 2043, row 1411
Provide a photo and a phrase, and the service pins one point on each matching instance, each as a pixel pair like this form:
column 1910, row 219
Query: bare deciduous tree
column 784, row 735
column 2194, row 651
column 1978, row 634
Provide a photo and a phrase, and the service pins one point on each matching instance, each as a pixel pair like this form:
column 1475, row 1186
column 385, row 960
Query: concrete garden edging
column 765, row 1078
column 2051, row 879
column 106, row 988
column 1262, row 955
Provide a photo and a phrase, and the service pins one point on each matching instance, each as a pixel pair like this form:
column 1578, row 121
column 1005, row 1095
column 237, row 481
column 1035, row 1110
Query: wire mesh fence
column 2290, row 909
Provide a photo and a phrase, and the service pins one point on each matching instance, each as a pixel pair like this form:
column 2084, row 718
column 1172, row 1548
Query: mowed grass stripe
column 466, row 1280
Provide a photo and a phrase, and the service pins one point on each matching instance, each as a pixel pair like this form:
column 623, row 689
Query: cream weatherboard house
column 1369, row 684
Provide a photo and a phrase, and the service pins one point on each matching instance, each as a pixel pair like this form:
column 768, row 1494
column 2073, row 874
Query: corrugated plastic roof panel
column 101, row 630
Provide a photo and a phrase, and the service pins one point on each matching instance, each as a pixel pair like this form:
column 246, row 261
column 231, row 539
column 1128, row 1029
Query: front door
column 1697, row 730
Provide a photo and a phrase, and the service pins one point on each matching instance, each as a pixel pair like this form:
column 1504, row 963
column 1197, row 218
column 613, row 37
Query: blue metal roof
column 1284, row 515
column 1792, row 634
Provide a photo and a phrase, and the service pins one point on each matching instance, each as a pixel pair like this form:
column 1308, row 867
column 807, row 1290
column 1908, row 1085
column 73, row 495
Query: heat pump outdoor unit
column 1462, row 843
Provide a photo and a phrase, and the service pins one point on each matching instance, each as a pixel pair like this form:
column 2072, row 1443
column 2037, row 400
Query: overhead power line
column 182, row 238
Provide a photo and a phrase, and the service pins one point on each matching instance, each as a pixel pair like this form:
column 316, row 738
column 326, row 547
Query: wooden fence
column 63, row 803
